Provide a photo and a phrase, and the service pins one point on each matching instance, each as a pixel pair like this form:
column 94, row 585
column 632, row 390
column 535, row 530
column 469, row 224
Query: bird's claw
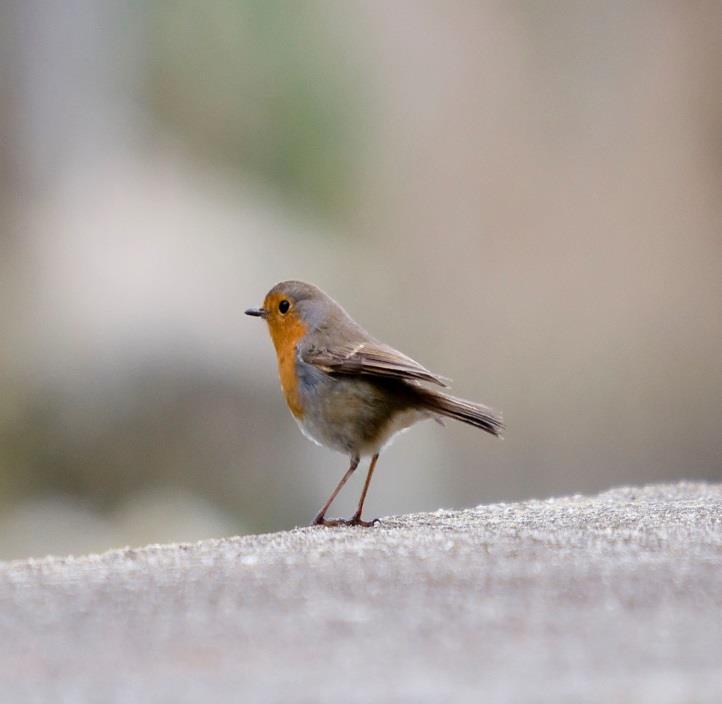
column 353, row 521
column 357, row 521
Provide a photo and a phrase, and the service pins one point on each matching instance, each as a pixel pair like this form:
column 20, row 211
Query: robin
column 348, row 391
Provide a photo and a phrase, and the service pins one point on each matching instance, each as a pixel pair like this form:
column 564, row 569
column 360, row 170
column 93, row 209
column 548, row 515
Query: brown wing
column 369, row 358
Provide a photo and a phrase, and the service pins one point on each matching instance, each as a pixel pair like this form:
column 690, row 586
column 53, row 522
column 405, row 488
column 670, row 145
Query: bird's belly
column 398, row 423
column 354, row 416
column 310, row 432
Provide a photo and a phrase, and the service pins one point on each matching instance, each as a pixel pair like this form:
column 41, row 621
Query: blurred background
column 525, row 197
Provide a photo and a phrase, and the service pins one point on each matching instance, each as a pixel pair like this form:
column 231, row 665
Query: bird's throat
column 285, row 341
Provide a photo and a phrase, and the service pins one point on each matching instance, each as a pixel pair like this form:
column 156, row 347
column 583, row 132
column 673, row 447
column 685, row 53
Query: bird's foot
column 353, row 521
column 328, row 522
column 357, row 521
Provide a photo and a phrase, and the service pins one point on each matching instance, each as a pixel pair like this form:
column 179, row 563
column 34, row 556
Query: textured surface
column 611, row 598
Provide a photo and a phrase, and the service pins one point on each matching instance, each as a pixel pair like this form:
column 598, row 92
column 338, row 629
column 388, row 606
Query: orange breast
column 285, row 338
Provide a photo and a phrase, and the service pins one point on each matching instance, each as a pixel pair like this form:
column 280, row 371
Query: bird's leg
column 356, row 518
column 320, row 519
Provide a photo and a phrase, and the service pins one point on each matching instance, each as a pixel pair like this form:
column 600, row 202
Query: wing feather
column 372, row 359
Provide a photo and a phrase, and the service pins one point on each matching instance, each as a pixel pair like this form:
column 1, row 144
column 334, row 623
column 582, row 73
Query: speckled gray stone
column 614, row 598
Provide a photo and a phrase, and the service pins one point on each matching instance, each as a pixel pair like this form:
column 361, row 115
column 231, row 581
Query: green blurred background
column 526, row 197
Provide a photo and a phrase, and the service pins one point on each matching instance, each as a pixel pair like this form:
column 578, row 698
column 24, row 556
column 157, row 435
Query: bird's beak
column 256, row 312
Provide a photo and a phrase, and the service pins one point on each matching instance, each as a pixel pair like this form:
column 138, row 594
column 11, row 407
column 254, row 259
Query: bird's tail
column 466, row 411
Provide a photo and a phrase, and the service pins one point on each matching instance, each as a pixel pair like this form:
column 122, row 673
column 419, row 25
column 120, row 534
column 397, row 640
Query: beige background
column 525, row 198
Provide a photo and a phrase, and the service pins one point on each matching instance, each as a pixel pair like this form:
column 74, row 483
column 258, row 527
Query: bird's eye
column 283, row 306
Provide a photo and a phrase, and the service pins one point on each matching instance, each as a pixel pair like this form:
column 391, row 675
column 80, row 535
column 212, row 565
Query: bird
column 347, row 390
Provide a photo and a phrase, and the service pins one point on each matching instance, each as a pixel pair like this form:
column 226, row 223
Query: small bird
column 348, row 391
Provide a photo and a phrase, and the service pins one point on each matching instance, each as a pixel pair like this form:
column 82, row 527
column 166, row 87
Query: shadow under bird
column 348, row 391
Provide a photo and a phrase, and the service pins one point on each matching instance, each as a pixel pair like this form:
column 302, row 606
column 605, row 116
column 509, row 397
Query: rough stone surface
column 615, row 598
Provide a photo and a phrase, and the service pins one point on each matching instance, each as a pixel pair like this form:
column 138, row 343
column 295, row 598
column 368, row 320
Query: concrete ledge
column 613, row 598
